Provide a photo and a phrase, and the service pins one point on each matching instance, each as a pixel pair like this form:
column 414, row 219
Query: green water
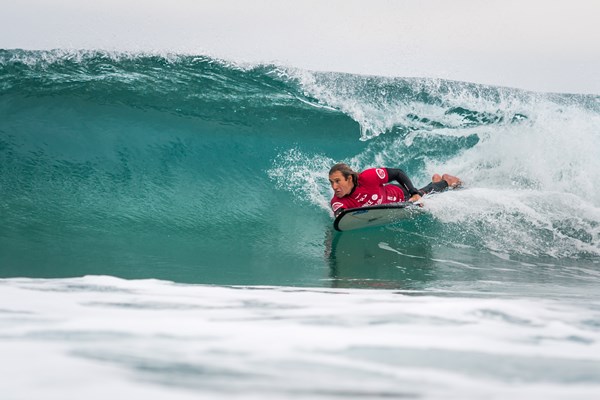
column 194, row 170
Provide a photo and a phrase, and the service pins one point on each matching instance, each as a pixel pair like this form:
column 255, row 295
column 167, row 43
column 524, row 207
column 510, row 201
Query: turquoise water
column 193, row 170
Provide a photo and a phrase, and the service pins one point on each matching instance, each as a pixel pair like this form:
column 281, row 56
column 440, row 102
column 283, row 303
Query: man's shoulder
column 374, row 175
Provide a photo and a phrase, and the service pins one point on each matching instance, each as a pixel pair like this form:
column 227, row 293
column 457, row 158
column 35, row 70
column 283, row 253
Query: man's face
column 340, row 185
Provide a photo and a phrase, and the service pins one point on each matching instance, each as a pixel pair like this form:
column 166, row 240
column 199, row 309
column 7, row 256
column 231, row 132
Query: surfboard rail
column 377, row 215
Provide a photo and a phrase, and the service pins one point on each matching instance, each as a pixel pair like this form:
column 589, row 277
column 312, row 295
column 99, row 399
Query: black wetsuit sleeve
column 396, row 174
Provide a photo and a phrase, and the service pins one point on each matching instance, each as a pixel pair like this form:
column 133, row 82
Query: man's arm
column 396, row 174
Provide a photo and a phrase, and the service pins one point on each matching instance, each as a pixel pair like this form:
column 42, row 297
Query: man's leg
column 436, row 185
column 440, row 183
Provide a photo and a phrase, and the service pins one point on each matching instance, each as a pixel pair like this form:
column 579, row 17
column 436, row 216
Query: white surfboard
column 356, row 218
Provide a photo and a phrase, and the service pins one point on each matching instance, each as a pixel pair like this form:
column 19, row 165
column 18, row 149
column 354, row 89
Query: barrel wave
column 194, row 169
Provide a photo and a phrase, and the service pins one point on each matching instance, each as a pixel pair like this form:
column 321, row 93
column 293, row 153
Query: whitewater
column 165, row 228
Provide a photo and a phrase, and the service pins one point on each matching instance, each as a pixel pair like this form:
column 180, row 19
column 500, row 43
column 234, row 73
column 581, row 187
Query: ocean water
column 165, row 231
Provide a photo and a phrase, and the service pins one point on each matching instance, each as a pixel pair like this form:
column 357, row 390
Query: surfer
column 372, row 186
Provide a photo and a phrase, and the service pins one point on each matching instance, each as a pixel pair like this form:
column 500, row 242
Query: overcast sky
column 544, row 45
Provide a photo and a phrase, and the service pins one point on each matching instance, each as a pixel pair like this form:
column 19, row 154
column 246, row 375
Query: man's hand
column 415, row 198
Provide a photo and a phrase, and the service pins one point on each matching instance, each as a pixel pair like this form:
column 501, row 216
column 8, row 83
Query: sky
column 541, row 45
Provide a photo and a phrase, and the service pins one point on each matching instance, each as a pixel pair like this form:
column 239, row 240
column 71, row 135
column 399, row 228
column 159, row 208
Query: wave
column 118, row 145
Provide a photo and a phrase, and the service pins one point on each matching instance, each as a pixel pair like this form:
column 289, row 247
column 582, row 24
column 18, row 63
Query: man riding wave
column 372, row 186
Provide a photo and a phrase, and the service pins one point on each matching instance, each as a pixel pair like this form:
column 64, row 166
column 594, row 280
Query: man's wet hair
column 346, row 172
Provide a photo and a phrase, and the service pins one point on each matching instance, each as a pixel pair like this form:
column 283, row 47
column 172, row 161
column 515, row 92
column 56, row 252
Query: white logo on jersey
column 336, row 205
column 374, row 197
column 380, row 173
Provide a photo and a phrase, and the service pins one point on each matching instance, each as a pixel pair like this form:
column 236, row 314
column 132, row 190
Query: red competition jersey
column 370, row 191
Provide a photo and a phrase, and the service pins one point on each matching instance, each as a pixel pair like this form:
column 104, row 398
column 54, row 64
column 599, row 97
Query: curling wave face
column 196, row 169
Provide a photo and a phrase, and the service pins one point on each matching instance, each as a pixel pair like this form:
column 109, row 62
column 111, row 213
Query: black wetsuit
column 396, row 174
